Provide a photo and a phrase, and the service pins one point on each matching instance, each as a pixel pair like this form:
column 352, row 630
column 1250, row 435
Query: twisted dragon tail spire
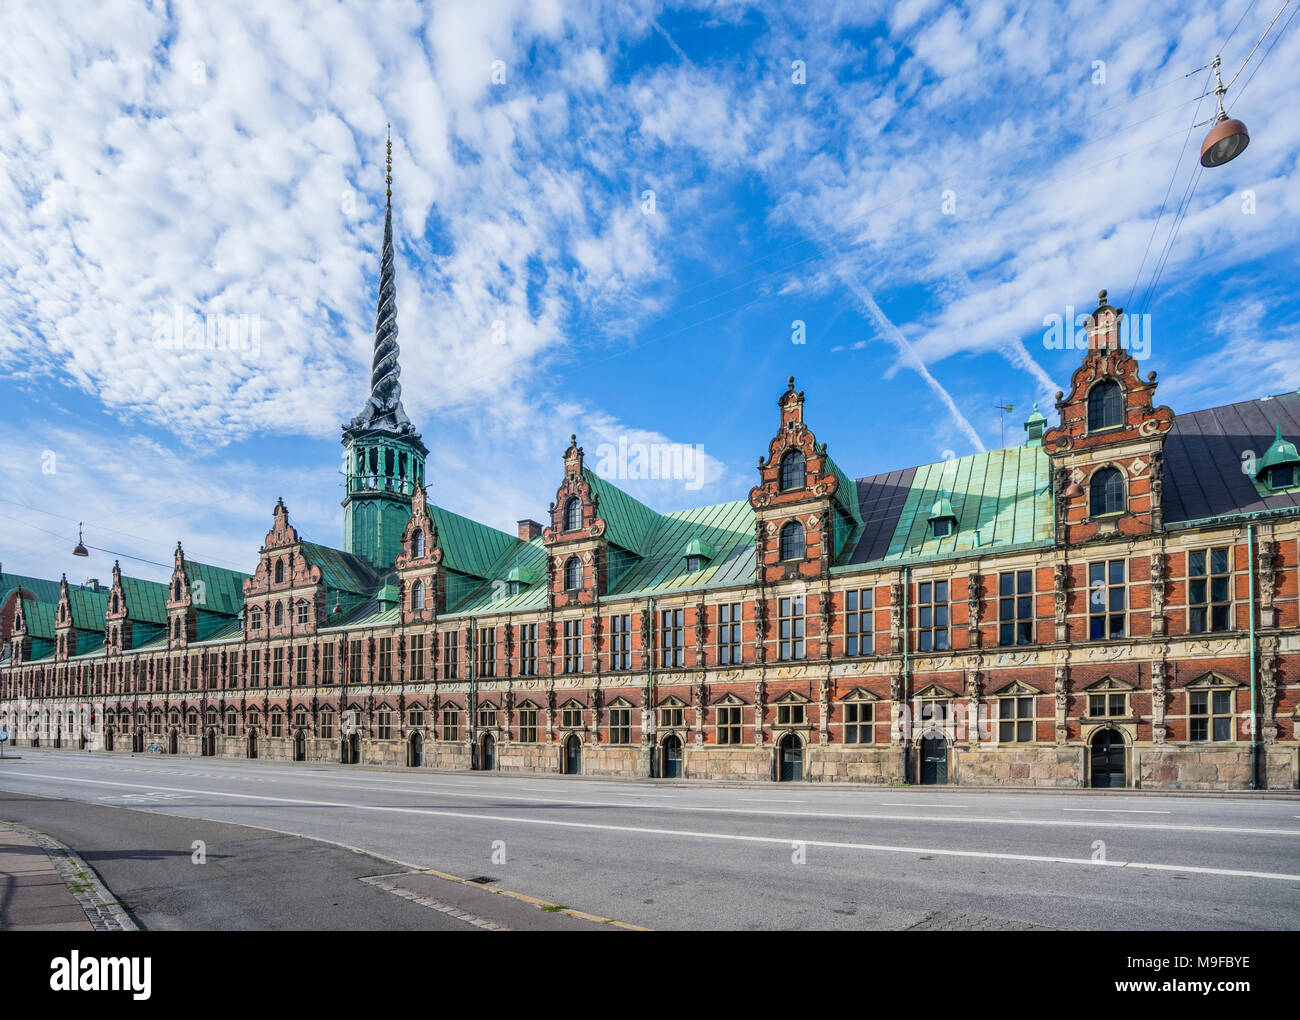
column 384, row 406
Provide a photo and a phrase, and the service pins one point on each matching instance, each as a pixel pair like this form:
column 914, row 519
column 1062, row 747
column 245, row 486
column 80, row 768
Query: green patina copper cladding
column 45, row 591
column 1001, row 498
column 382, row 470
column 222, row 590
column 467, row 546
column 1281, row 453
column 628, row 523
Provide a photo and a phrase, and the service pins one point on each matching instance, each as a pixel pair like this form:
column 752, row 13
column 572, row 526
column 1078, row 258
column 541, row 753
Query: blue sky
column 609, row 219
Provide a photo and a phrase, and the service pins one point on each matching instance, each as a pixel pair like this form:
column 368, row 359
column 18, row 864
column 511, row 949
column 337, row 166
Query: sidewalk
column 32, row 894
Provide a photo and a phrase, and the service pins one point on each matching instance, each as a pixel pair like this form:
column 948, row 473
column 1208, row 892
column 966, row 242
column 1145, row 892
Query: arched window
column 279, row 614
column 573, row 574
column 279, row 571
column 417, row 595
column 1106, row 494
column 1105, row 406
column 793, row 471
column 792, row 541
column 419, row 543
column 573, row 514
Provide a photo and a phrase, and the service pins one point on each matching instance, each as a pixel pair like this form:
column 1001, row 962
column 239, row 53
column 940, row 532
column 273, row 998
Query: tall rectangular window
column 620, row 646
column 729, row 633
column 354, row 662
column 1209, row 715
column 385, row 660
column 1016, row 607
column 451, row 724
column 255, row 667
column 932, row 616
column 859, row 719
column 277, row 667
column 417, row 658
column 858, row 629
column 327, row 664
column 573, row 646
column 1107, row 600
column 620, row 726
column 528, row 649
column 300, row 665
column 528, row 725
column 1209, row 595
column 670, row 638
column 487, row 651
column 450, row 655
column 790, row 624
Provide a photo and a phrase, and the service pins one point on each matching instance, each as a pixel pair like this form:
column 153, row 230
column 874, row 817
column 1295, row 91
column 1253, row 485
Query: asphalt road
column 761, row 857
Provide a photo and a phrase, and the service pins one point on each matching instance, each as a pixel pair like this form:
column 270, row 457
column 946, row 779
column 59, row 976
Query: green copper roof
column 223, row 590
column 145, row 600
column 941, row 510
column 1000, row 498
column 697, row 548
column 467, row 546
column 846, row 492
column 728, row 527
column 341, row 571
column 628, row 522
column 88, row 608
column 39, row 617
column 45, row 591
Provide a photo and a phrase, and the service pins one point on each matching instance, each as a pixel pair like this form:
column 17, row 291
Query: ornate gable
column 575, row 542
column 793, row 499
column 1107, row 451
column 419, row 565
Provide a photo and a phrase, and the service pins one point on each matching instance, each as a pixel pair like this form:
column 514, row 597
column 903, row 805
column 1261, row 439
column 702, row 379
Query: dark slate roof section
column 1203, row 453
column 881, row 499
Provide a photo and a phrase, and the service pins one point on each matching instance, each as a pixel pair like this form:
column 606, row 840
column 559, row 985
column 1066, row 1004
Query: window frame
column 1206, row 603
column 1015, row 625
column 1107, row 616
column 933, row 616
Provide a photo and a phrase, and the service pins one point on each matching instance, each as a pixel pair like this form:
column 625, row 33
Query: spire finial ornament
column 383, row 408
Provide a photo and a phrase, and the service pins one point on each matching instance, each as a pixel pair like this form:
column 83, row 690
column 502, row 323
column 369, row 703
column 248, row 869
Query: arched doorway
column 299, row 745
column 252, row 743
column 415, row 750
column 351, row 749
column 487, row 759
column 934, row 759
column 572, row 755
column 172, row 742
column 671, row 766
column 1109, row 759
column 789, row 756
column 209, row 743
column 108, row 738
column 58, row 737
column 137, row 740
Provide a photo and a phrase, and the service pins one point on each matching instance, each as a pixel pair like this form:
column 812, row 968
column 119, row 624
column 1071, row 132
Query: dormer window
column 279, row 614
column 1106, row 492
column 417, row 592
column 1279, row 468
column 942, row 519
column 512, row 587
column 694, row 563
column 698, row 554
column 1105, row 406
column 791, row 543
column 279, row 571
column 573, row 514
column 793, row 471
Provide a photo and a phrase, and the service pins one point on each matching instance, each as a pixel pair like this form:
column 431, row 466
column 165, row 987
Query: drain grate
column 480, row 880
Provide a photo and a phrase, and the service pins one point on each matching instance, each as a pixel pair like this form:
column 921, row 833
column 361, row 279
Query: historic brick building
column 1111, row 602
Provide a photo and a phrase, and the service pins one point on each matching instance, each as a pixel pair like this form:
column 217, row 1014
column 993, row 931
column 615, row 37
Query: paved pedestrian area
column 33, row 895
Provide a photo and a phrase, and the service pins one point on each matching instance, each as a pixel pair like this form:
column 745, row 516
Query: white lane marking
column 695, row 834
column 1118, row 811
column 837, row 815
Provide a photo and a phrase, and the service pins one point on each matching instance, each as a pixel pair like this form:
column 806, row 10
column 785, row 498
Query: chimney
column 529, row 530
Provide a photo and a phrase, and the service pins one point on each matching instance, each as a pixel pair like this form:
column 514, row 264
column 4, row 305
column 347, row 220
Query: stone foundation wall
column 1023, row 766
column 708, row 761
column 1185, row 768
column 881, row 766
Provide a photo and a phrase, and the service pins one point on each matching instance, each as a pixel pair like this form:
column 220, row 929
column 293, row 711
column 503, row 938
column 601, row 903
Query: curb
column 102, row 908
